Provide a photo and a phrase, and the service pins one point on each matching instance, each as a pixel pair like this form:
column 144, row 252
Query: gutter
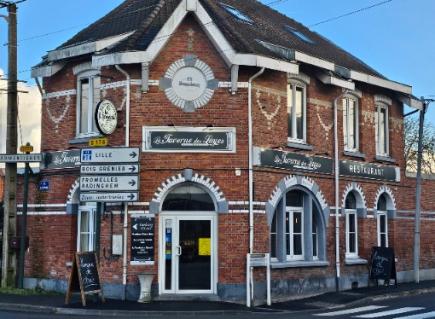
column 127, row 144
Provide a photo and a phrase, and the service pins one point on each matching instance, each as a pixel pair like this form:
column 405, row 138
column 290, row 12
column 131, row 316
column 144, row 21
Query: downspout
column 337, row 194
column 251, row 191
column 127, row 144
column 251, row 166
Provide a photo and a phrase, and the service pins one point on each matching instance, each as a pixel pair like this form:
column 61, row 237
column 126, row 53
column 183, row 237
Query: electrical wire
column 349, row 13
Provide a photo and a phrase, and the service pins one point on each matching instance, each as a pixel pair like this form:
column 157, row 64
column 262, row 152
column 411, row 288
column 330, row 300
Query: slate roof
column 146, row 17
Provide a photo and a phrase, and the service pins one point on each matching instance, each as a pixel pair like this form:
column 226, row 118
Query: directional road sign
column 110, row 169
column 105, row 183
column 109, row 197
column 109, row 155
column 20, row 158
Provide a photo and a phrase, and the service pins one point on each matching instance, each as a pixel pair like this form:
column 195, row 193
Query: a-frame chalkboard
column 383, row 264
column 85, row 277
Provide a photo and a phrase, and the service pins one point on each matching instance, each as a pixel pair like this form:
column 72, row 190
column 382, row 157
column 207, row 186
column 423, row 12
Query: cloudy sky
column 394, row 36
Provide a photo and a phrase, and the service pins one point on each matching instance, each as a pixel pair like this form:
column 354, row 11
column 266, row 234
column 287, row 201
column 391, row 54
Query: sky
column 395, row 38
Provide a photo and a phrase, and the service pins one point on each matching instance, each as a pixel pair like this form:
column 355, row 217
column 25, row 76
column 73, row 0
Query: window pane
column 289, row 109
column 381, row 132
column 382, row 203
column 346, row 144
column 297, row 245
column 287, row 240
column 299, row 113
column 84, row 242
column 352, row 243
column 84, row 222
column 273, row 245
column 314, row 245
column 188, row 198
column 382, row 220
column 351, row 223
column 351, row 124
column 294, row 199
column 84, row 105
column 383, row 240
column 350, row 201
column 297, row 223
column 95, row 100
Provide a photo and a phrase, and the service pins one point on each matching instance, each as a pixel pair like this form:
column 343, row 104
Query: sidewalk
column 55, row 303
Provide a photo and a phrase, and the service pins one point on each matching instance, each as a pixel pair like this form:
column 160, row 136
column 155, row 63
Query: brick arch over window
column 189, row 176
column 289, row 182
column 73, row 199
column 391, row 200
column 361, row 203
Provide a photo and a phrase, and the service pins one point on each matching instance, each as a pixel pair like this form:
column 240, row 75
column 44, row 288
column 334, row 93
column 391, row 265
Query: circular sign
column 189, row 83
column 106, row 117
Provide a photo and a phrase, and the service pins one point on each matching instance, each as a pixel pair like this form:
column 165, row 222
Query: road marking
column 420, row 316
column 389, row 312
column 349, row 311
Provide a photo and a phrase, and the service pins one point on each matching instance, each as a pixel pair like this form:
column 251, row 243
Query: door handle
column 180, row 251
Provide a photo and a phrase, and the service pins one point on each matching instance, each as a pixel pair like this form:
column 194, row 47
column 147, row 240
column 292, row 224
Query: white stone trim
column 383, row 99
column 333, row 80
column 59, row 94
column 58, row 213
column 355, row 187
column 74, row 188
column 385, row 189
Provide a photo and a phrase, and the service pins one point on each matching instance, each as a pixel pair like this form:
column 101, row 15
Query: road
column 416, row 307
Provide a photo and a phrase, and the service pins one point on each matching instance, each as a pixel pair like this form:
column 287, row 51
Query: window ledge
column 301, row 146
column 355, row 154
column 299, row 264
column 83, row 140
column 382, row 158
column 355, row 261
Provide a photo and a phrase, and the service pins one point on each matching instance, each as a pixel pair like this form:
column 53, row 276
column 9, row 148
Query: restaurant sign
column 293, row 161
column 189, row 139
column 368, row 170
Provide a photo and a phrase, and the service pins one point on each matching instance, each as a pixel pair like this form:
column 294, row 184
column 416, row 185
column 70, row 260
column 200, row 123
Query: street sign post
column 109, row 183
column 20, row 158
column 110, row 169
column 109, row 155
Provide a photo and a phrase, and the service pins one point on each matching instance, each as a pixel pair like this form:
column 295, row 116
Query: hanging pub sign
column 61, row 160
column 368, row 170
column 106, row 117
column 293, row 161
column 189, row 139
column 142, row 240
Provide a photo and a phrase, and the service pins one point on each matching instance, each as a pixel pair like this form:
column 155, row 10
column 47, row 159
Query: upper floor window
column 350, row 124
column 88, row 96
column 382, row 135
column 297, row 111
column 382, row 221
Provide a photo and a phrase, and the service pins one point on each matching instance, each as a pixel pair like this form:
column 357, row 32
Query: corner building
column 232, row 107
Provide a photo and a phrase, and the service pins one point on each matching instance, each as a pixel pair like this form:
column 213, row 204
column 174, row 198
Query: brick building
column 232, row 106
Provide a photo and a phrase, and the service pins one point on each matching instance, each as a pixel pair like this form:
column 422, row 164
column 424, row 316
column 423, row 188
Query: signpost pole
column 23, row 226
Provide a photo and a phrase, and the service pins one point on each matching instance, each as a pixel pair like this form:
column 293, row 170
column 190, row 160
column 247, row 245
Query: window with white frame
column 350, row 124
column 296, row 110
column 296, row 230
column 88, row 96
column 86, row 234
column 351, row 226
column 382, row 221
column 382, row 130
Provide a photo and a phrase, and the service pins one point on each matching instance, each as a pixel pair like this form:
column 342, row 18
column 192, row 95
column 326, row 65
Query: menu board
column 142, row 239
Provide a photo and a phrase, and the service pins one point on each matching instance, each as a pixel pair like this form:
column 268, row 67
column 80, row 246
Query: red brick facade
column 53, row 233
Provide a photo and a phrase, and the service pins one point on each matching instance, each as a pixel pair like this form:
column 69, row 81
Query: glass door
column 187, row 253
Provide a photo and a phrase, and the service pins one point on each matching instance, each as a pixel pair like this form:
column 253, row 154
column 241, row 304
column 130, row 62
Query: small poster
column 142, row 239
column 204, row 247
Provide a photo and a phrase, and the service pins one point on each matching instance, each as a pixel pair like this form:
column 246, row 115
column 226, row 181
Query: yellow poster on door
column 204, row 247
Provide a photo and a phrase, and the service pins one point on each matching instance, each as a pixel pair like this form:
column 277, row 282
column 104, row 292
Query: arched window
column 297, row 229
column 382, row 221
column 351, row 226
column 188, row 197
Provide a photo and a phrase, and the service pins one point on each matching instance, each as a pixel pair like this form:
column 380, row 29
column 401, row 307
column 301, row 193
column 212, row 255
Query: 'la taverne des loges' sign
column 189, row 139
column 294, row 161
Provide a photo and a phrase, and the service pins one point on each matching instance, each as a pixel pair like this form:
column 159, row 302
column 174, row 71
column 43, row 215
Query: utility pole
column 417, row 223
column 9, row 261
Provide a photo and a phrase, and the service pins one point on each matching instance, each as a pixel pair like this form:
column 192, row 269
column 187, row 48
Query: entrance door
column 187, row 254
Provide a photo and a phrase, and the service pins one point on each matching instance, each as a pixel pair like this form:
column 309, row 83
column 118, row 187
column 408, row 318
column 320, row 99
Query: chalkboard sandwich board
column 85, row 277
column 383, row 264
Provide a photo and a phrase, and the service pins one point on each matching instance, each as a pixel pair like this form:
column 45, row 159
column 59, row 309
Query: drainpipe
column 337, row 193
column 251, row 168
column 127, row 144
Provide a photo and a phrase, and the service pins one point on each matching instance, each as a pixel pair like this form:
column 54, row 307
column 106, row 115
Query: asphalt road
column 415, row 307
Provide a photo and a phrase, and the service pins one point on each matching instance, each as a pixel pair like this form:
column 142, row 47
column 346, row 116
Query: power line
column 349, row 13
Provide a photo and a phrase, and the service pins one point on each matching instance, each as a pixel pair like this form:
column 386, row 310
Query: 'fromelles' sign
column 293, row 161
column 188, row 139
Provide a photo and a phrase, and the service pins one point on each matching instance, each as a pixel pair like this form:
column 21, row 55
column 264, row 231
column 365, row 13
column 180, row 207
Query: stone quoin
column 183, row 70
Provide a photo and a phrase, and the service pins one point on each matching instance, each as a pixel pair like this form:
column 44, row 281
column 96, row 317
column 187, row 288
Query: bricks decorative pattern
column 353, row 187
column 385, row 189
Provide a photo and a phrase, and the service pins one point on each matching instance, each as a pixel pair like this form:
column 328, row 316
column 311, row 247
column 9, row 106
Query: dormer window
column 236, row 13
column 88, row 96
